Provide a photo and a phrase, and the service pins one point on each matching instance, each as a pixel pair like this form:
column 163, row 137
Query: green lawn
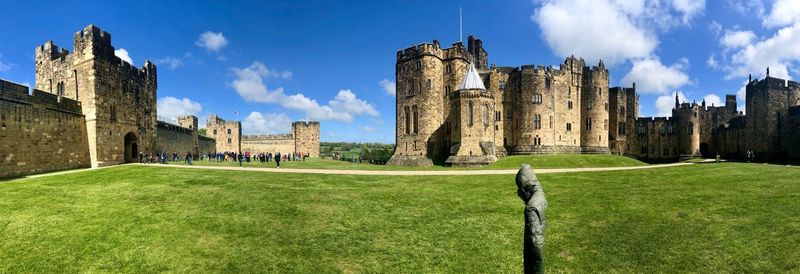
column 699, row 218
column 510, row 162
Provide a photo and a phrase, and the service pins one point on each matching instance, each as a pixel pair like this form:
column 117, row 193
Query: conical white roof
column 472, row 80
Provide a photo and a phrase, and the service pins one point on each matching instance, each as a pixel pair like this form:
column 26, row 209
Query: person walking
column 278, row 160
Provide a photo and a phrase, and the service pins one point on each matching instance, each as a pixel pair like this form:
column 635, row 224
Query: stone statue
column 531, row 193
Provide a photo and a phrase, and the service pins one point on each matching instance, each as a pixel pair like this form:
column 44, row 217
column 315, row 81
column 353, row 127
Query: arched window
column 690, row 129
column 410, row 87
column 486, row 117
column 469, row 114
column 416, row 119
column 407, row 116
column 75, row 76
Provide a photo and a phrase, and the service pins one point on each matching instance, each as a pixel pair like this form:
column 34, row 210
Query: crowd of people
column 228, row 156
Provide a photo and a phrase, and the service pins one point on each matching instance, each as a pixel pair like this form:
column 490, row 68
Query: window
column 229, row 140
column 498, row 115
column 588, row 124
column 547, row 83
column 410, row 87
column 509, row 115
column 589, row 104
column 419, row 65
column 407, row 116
column 551, row 121
column 486, row 118
column 537, row 98
column 690, row 129
column 537, row 121
column 537, row 141
column 621, row 128
column 642, row 129
column 447, row 90
column 605, row 124
column 229, row 131
column 215, row 132
column 428, row 85
column 569, row 126
column 449, row 68
column 60, row 88
column 569, row 105
column 502, row 85
column 622, row 111
column 416, row 119
column 606, row 107
column 113, row 113
column 469, row 114
column 75, row 74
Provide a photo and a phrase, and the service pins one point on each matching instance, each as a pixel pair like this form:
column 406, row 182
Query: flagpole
column 460, row 26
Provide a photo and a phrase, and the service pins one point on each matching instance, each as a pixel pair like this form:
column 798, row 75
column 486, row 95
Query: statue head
column 526, row 183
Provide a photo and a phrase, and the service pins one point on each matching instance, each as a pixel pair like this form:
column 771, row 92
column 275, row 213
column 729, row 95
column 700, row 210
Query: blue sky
column 273, row 62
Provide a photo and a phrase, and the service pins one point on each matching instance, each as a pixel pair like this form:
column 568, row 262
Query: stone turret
column 594, row 110
column 472, row 139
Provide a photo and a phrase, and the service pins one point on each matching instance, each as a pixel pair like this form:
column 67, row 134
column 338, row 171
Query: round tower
column 594, row 110
column 688, row 124
column 419, row 102
column 472, row 119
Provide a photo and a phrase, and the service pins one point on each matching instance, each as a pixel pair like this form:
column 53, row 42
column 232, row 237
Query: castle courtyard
column 148, row 218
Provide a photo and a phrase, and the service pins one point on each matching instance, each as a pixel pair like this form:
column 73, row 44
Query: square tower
column 117, row 99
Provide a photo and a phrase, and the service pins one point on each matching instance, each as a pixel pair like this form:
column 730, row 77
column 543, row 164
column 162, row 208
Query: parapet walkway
column 419, row 172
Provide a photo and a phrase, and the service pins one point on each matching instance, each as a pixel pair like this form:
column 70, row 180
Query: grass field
column 699, row 218
column 510, row 162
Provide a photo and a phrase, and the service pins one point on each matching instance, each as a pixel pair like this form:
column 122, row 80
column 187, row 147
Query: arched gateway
column 131, row 148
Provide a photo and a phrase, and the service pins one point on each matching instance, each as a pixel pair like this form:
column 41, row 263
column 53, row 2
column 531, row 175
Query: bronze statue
column 531, row 193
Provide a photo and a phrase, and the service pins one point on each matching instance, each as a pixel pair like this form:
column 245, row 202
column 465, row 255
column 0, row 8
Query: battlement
column 429, row 49
column 173, row 127
column 17, row 93
column 305, row 123
column 774, row 83
column 213, row 119
column 264, row 137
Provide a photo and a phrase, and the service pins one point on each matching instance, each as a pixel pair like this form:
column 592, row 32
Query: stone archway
column 131, row 148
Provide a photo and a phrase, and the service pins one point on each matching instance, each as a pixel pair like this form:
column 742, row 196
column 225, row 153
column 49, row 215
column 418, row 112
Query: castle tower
column 473, row 123
column 228, row 134
column 687, row 120
column 190, row 122
column 117, row 99
column 622, row 113
column 306, row 138
column 594, row 110
column 420, row 96
column 480, row 58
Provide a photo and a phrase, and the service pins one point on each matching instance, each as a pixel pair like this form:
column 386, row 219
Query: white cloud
column 651, row 76
column 173, row 62
column 783, row 13
column 169, row 108
column 367, row 129
column 249, row 83
column 4, row 65
column 737, row 39
column 665, row 103
column 610, row 30
column 777, row 52
column 388, row 86
column 266, row 123
column 212, row 41
column 713, row 100
column 712, row 61
column 715, row 28
column 123, row 54
column 346, row 101
column 592, row 29
column 748, row 7
column 689, row 8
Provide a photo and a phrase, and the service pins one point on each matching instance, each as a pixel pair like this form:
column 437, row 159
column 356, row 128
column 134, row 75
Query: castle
column 89, row 108
column 453, row 109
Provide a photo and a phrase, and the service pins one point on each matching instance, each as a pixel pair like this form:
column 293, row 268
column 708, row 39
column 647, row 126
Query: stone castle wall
column 306, row 138
column 118, row 100
column 179, row 139
column 40, row 132
column 228, row 134
column 283, row 143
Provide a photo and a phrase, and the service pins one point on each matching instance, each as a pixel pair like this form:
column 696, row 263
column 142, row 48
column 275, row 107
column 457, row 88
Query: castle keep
column 452, row 108
column 89, row 108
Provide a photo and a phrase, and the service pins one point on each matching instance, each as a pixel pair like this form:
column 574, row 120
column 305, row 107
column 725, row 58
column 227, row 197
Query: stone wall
column 283, row 143
column 306, row 138
column 228, row 134
column 118, row 100
column 40, row 132
column 178, row 139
